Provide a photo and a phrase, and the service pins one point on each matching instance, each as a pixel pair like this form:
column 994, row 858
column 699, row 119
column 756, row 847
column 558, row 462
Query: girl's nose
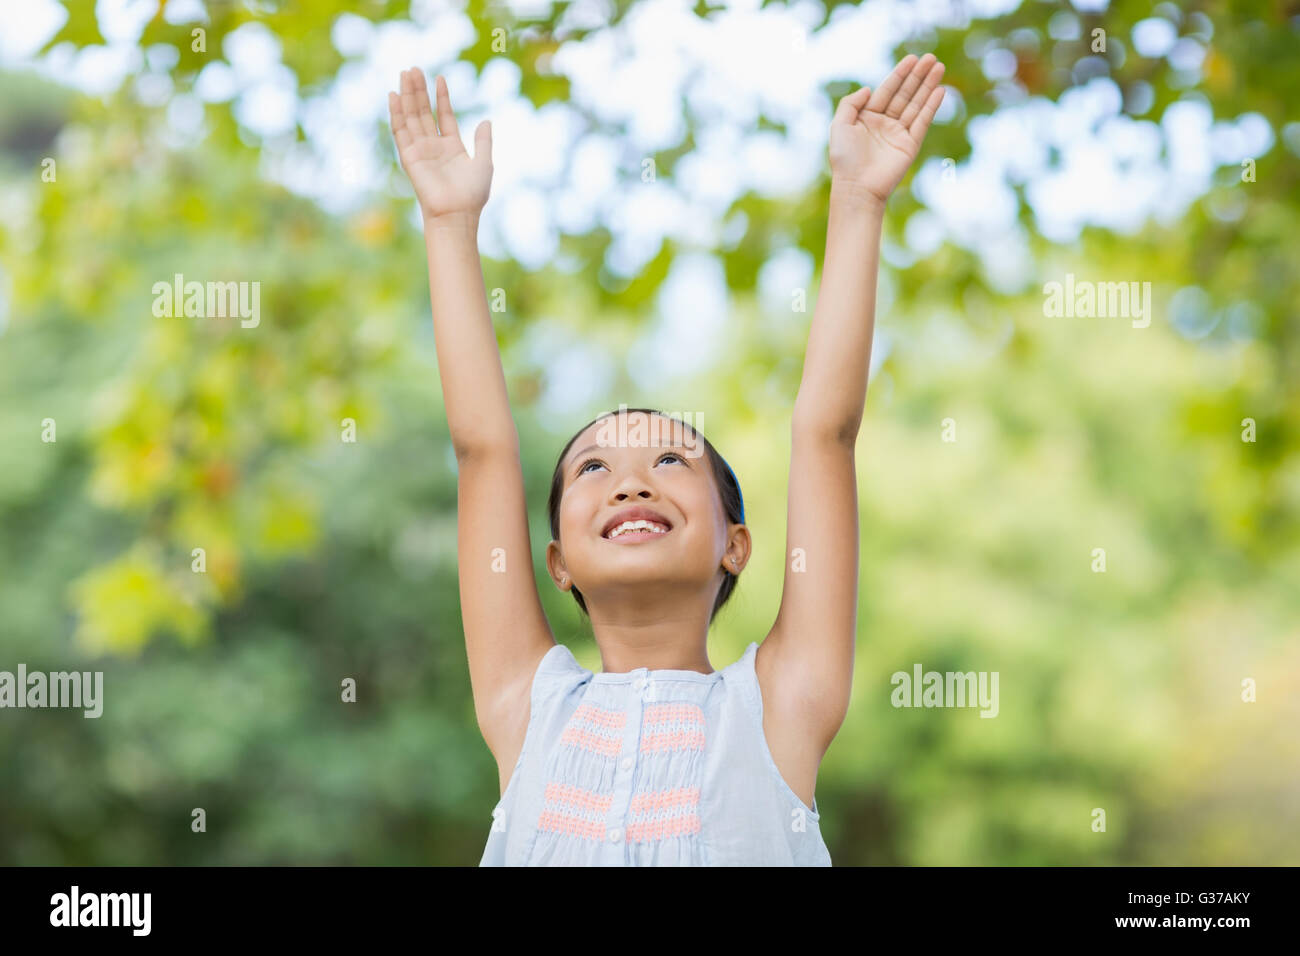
column 621, row 495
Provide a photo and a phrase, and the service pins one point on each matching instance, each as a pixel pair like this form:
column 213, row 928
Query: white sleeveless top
column 649, row 768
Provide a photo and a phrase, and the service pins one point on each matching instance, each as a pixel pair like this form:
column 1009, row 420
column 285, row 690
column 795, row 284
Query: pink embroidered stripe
column 596, row 730
column 650, row 801
column 672, row 740
column 592, row 742
column 570, row 825
column 561, row 797
column 609, row 719
column 688, row 714
column 659, row 829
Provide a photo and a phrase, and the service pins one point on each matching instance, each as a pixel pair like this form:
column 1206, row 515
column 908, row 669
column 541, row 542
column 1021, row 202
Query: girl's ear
column 555, row 566
column 738, row 550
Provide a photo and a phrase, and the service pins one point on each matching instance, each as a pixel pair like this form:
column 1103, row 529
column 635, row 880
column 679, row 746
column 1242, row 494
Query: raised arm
column 805, row 665
column 506, row 632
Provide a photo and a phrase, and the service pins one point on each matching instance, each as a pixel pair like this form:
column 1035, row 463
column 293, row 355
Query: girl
column 659, row 759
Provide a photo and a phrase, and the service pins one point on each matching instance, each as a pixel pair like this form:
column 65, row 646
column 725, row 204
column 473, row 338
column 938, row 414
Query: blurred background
column 658, row 211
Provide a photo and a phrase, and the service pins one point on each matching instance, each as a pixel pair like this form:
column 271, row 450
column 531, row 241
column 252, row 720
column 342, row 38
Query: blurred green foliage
column 327, row 559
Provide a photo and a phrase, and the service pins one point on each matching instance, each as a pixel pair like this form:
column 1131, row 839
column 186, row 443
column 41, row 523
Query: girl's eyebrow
column 579, row 454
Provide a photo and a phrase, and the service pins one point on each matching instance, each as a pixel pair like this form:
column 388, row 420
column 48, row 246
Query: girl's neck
column 622, row 653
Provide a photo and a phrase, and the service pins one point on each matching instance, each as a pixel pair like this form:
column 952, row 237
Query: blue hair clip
column 739, row 495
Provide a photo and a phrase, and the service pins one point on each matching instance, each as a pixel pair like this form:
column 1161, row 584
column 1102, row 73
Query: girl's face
column 662, row 469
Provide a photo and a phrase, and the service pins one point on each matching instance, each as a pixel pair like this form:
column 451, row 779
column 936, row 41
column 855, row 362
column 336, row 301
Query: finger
column 886, row 90
column 483, row 142
column 921, row 96
column 850, row 106
column 397, row 120
column 922, row 121
column 446, row 116
column 409, row 108
column 911, row 83
column 422, row 104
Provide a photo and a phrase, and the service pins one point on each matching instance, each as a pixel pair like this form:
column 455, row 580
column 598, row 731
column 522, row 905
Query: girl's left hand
column 875, row 136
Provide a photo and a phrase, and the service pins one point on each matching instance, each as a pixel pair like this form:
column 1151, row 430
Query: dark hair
column 733, row 503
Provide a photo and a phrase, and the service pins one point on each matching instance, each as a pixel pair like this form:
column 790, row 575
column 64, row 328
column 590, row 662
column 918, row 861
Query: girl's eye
column 582, row 470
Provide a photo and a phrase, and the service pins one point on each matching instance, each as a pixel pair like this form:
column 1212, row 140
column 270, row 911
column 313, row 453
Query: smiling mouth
column 641, row 530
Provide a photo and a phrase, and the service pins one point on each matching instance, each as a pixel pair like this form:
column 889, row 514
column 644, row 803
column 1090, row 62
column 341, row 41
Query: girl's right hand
column 447, row 181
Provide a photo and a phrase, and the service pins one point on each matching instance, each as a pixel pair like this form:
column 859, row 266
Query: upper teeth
column 640, row 525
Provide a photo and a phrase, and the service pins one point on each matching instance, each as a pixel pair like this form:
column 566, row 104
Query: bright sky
column 551, row 175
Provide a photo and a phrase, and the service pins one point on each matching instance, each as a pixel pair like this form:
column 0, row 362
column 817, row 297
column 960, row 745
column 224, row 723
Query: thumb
column 483, row 142
column 851, row 106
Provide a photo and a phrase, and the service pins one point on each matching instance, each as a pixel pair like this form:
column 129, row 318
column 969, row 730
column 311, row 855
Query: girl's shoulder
column 742, row 676
column 557, row 672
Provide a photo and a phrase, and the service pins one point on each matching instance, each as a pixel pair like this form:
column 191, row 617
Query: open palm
column 874, row 137
column 446, row 179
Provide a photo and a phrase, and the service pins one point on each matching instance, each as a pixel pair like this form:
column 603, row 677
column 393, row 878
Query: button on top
column 626, row 763
column 615, row 835
column 639, row 683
